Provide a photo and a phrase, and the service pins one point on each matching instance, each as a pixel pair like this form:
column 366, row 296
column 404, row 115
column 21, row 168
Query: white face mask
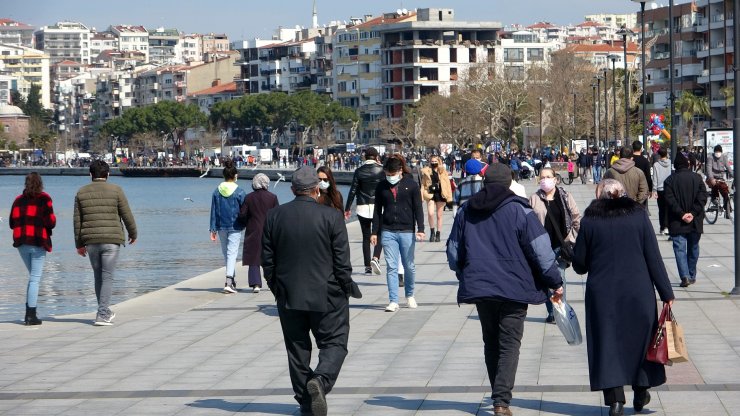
column 717, row 154
column 393, row 179
column 324, row 185
column 547, row 184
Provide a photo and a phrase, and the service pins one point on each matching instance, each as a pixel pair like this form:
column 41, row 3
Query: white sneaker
column 375, row 265
column 411, row 302
column 392, row 307
column 664, row 231
column 228, row 288
column 256, row 289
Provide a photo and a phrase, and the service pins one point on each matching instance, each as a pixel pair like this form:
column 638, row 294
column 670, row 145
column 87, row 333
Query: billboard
column 722, row 137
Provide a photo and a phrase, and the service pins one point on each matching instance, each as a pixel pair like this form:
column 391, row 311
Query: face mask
column 324, row 185
column 547, row 184
column 717, row 154
column 393, row 179
column 434, row 165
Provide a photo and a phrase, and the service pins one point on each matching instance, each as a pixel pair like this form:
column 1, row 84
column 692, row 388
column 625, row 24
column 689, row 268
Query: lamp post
column 736, row 149
column 540, row 124
column 626, row 32
column 672, row 96
column 598, row 107
column 614, row 58
column 606, row 103
column 596, row 131
column 642, row 70
column 452, row 124
column 575, row 112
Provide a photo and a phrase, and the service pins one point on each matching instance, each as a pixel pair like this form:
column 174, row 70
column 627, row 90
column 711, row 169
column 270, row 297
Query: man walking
column 584, row 165
column 306, row 261
column 364, row 182
column 685, row 197
column 98, row 211
column 502, row 256
column 642, row 163
column 631, row 177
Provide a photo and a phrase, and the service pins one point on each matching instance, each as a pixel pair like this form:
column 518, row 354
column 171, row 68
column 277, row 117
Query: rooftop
column 130, row 28
column 218, row 89
column 12, row 24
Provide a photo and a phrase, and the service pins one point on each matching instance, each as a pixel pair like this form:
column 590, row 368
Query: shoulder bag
column 658, row 349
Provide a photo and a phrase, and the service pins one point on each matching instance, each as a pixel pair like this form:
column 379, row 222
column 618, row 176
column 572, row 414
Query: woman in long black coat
column 253, row 213
column 617, row 247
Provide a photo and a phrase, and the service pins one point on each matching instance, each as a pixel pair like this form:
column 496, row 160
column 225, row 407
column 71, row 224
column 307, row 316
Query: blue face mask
column 393, row 179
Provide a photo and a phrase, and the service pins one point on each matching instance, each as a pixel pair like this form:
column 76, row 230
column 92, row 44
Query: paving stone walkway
column 190, row 350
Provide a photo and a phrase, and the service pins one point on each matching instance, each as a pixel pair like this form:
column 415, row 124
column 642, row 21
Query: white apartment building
column 616, row 21
column 132, row 38
column 29, row 66
column 191, row 48
column 16, row 33
column 102, row 41
column 7, row 83
column 164, row 46
column 65, row 41
column 519, row 50
column 114, row 93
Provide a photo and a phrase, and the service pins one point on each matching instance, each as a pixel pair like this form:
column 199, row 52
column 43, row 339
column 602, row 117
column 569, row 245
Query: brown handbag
column 658, row 349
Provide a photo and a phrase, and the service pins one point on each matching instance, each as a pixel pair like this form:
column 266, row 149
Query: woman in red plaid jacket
column 32, row 219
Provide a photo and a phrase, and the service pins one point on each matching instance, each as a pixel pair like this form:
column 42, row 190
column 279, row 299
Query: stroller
column 526, row 171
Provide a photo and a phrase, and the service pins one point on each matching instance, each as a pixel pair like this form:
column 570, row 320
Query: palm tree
column 690, row 105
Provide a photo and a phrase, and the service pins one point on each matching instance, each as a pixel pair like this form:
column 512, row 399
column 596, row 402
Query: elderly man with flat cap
column 501, row 254
column 306, row 261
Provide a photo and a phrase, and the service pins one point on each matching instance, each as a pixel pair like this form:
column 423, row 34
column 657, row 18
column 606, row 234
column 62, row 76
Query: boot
column 31, row 318
column 436, row 237
column 431, row 236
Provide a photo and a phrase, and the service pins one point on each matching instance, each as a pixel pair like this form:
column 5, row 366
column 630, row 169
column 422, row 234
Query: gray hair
column 260, row 181
column 610, row 189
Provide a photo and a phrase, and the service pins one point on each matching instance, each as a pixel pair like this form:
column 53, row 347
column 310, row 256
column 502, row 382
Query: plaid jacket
column 31, row 219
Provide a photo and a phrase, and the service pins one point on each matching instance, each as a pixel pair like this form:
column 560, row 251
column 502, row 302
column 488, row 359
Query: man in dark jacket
column 642, row 163
column 306, row 261
column 364, row 182
column 503, row 259
column 685, row 197
column 100, row 208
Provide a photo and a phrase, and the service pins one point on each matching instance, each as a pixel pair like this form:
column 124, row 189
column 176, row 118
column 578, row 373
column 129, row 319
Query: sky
column 246, row 19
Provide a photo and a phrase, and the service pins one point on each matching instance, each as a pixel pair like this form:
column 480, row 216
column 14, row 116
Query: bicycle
column 715, row 208
column 566, row 180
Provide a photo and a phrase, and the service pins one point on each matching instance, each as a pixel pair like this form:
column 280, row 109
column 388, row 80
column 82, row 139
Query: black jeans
column 662, row 210
column 502, row 323
column 616, row 394
column 365, row 226
column 331, row 332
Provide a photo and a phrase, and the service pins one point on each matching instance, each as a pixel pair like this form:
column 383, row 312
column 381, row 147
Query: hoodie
column 631, row 177
column 661, row 170
column 226, row 189
column 226, row 201
column 499, row 250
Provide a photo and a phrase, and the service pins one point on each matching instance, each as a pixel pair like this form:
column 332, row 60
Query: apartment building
column 65, row 41
column 517, row 51
column 616, row 21
column 16, row 33
column 114, row 93
column 206, row 98
column 132, row 38
column 214, row 43
column 164, row 46
column 687, row 67
column 191, row 48
column 714, row 25
column 599, row 55
column 7, row 84
column 102, row 41
column 29, row 66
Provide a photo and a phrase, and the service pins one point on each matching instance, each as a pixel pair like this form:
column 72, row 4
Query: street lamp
column 606, row 102
column 596, row 131
column 575, row 135
column 642, row 69
column 736, row 149
column 613, row 58
column 540, row 124
column 624, row 32
column 670, row 78
column 598, row 106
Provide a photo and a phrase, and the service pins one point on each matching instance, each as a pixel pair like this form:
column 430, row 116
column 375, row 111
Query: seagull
column 280, row 178
column 1, row 219
column 187, row 198
column 254, row 167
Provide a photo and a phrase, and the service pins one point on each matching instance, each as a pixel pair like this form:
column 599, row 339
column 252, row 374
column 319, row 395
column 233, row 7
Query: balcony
column 661, row 55
column 180, row 84
column 179, row 98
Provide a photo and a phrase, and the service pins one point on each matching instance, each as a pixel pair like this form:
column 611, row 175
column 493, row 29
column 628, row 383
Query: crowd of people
column 507, row 250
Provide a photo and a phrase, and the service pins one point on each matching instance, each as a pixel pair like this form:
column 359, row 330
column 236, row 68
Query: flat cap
column 304, row 178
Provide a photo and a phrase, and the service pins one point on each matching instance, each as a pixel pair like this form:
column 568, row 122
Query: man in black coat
column 306, row 261
column 685, row 197
column 642, row 163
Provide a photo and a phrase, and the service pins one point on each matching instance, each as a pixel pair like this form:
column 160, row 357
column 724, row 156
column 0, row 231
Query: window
column 513, row 55
column 535, row 54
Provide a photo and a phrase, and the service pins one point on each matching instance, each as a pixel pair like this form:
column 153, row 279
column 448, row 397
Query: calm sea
column 173, row 242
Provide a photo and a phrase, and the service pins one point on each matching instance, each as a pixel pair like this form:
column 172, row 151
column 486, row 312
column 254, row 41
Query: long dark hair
column 230, row 171
column 332, row 194
column 34, row 185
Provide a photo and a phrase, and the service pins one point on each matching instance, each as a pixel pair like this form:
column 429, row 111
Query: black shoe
column 550, row 319
column 318, row 397
column 684, row 282
column 436, row 237
column 616, row 409
column 31, row 318
column 368, row 270
column 641, row 400
column 692, row 281
column 431, row 236
column 400, row 280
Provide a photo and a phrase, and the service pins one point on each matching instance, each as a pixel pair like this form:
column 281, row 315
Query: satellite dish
column 398, row 11
column 404, row 12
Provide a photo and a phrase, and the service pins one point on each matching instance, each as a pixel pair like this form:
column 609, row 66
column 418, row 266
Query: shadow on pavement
column 70, row 320
column 264, row 408
column 557, row 408
column 269, row 310
column 403, row 403
column 192, row 289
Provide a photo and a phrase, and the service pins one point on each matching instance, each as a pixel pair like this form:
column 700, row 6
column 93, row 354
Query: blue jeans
column 686, row 249
column 33, row 257
column 230, row 248
column 397, row 245
column 597, row 173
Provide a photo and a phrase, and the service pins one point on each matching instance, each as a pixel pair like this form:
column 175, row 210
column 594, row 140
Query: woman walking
column 624, row 269
column 329, row 195
column 226, row 202
column 32, row 219
column 559, row 214
column 253, row 213
column 436, row 192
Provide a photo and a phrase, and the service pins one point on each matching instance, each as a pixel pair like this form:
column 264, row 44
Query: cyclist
column 718, row 169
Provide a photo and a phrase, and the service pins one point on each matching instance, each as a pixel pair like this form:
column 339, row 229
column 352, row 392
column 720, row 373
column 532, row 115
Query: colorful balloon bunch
column 656, row 126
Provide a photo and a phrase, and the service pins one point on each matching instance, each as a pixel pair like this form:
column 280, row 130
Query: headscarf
column 260, row 181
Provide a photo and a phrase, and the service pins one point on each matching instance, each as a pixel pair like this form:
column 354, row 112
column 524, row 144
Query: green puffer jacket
column 99, row 209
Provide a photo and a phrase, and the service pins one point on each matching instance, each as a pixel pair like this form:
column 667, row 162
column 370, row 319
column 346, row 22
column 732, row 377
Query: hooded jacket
column 661, row 170
column 631, row 177
column 226, row 201
column 499, row 250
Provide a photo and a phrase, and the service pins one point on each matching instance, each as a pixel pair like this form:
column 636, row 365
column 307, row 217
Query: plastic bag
column 567, row 321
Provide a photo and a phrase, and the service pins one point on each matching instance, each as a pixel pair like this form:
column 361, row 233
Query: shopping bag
column 567, row 322
column 677, row 351
column 658, row 349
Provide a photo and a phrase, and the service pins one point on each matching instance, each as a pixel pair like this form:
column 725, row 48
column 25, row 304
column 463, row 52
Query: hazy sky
column 244, row 19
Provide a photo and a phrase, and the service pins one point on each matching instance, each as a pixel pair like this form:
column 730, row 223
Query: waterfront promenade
column 190, row 350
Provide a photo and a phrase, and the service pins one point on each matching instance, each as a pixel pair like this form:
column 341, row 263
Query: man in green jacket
column 99, row 209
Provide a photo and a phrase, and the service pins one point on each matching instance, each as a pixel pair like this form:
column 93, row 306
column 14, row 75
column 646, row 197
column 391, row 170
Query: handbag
column 658, row 349
column 677, row 351
column 567, row 322
column 566, row 247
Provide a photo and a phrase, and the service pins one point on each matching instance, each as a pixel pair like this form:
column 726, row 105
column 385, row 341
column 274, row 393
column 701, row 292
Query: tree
column 39, row 134
column 33, row 103
column 689, row 105
column 18, row 100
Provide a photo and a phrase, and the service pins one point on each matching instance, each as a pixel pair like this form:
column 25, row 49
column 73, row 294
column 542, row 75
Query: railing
column 661, row 55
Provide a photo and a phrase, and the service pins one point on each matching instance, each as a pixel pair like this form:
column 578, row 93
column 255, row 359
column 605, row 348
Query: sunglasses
column 324, row 179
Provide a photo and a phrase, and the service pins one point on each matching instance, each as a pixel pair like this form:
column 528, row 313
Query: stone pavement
column 190, row 350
